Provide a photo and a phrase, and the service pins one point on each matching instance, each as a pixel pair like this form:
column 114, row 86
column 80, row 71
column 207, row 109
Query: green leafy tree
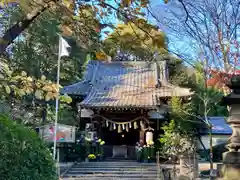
column 23, row 154
column 26, row 96
column 204, row 102
column 136, row 40
column 175, row 141
column 36, row 52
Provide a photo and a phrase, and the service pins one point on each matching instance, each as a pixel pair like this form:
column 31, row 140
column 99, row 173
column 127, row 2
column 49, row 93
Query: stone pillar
column 231, row 159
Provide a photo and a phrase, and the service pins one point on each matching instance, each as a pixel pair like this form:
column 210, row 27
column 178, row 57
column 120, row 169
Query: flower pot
column 86, row 159
column 92, row 160
column 145, row 161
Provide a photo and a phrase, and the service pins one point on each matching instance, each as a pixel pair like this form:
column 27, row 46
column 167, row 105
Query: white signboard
column 86, row 113
column 65, row 133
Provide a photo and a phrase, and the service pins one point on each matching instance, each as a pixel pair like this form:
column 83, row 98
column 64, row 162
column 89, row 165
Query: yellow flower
column 91, row 156
column 150, row 143
column 102, row 142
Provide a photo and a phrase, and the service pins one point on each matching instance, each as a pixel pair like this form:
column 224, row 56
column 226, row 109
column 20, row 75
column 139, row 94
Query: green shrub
column 23, row 154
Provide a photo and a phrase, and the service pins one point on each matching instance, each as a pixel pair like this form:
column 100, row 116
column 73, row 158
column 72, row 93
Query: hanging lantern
column 107, row 124
column 130, row 125
column 114, row 126
column 135, row 125
column 149, row 137
column 119, row 128
column 127, row 128
column 123, row 126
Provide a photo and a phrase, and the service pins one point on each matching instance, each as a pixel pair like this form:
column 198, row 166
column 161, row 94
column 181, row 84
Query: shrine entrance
column 121, row 134
column 124, row 138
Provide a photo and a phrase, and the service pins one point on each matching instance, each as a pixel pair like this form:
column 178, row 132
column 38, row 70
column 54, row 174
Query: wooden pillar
column 141, row 136
column 142, row 133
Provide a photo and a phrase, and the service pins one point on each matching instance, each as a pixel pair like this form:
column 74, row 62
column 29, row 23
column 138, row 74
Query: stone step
column 113, row 169
column 107, row 178
column 112, row 172
column 119, row 167
column 118, row 160
column 107, row 164
column 152, row 176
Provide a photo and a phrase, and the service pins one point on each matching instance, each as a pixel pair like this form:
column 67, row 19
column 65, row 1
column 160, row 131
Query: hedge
column 23, row 154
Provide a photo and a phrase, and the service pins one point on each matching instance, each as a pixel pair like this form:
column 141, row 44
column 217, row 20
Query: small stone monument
column 231, row 159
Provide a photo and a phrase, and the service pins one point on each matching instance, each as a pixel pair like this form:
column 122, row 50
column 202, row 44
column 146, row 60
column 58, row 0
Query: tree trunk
column 13, row 32
column 211, row 152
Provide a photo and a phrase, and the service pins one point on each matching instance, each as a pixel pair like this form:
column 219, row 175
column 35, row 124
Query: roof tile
column 121, row 84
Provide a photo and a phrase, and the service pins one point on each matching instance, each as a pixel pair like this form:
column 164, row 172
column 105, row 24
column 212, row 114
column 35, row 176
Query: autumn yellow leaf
column 29, row 79
column 4, row 3
column 69, row 4
column 7, row 89
column 54, row 88
column 101, row 56
column 38, row 85
column 43, row 78
column 28, row 90
column 21, row 92
column 23, row 73
column 49, row 96
column 47, row 88
column 39, row 94
column 66, row 30
column 126, row 3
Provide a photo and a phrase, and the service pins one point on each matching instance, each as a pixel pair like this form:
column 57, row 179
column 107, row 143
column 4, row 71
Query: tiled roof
column 80, row 88
column 220, row 126
column 83, row 87
column 169, row 90
column 122, row 84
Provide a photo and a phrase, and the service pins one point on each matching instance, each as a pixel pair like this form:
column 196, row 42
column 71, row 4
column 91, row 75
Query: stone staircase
column 110, row 170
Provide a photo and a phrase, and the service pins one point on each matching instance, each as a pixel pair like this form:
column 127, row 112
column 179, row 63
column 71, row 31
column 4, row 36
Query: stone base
column 231, row 166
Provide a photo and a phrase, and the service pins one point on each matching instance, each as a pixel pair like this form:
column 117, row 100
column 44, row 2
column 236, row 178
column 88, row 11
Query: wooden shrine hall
column 120, row 101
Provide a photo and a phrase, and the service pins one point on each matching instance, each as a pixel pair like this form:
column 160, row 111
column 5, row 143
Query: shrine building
column 120, row 101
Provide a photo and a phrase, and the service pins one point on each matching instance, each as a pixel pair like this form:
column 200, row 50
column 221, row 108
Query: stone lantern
column 231, row 159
